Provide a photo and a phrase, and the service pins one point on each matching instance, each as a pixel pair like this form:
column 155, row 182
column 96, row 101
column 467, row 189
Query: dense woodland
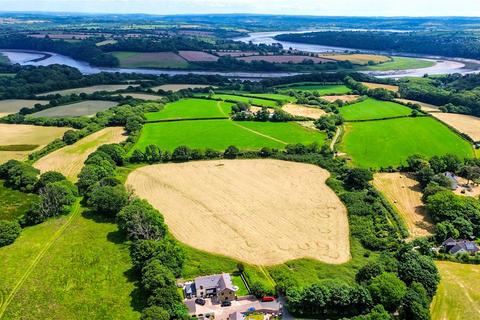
column 448, row 44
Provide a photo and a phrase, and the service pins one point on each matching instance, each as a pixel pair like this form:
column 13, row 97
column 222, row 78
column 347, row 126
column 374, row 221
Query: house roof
column 218, row 281
column 455, row 246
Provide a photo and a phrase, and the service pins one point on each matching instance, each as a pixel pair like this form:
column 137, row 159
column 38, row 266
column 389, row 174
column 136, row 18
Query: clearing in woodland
column 457, row 296
column 303, row 111
column 284, row 212
column 405, row 194
column 15, row 137
column 69, row 160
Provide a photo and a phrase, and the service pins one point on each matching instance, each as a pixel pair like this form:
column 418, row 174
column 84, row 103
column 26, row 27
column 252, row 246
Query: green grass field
column 64, row 267
column 150, row 60
column 79, row 109
column 13, row 203
column 219, row 134
column 373, row 109
column 191, row 108
column 320, row 88
column 401, row 63
column 253, row 101
column 276, row 96
column 457, row 296
column 387, row 143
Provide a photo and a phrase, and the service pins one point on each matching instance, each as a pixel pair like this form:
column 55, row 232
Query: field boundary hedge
column 186, row 119
column 387, row 118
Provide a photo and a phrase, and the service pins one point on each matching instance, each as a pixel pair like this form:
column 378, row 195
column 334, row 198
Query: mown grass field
column 13, row 203
column 84, row 263
column 252, row 101
column 457, row 296
column 90, row 90
column 402, row 63
column 79, row 109
column 373, row 109
column 191, row 108
column 275, row 96
column 320, row 88
column 389, row 142
column 150, row 60
column 219, row 134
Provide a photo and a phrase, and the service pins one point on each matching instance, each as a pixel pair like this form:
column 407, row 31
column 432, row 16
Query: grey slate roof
column 454, row 246
column 218, row 281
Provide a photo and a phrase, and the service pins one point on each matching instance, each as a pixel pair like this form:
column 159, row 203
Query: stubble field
column 303, row 111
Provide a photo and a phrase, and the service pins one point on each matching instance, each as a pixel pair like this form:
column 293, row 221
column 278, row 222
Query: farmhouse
column 453, row 246
column 218, row 286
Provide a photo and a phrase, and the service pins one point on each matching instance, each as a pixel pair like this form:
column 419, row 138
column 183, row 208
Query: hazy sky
column 308, row 7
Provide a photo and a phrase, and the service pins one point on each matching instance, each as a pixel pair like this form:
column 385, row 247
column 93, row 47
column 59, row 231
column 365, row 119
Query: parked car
column 200, row 301
column 226, row 303
column 268, row 299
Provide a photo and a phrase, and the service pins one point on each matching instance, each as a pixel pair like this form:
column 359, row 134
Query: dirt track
column 303, row 111
column 469, row 125
column 260, row 211
column 69, row 160
column 404, row 193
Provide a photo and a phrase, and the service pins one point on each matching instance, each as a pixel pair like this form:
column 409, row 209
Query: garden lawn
column 387, row 143
column 13, row 203
column 323, row 90
column 373, row 109
column 253, row 101
column 219, row 134
column 191, row 108
column 85, row 265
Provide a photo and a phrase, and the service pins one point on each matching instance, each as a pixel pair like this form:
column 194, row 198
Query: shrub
column 49, row 177
column 231, row 152
column 9, row 232
column 155, row 313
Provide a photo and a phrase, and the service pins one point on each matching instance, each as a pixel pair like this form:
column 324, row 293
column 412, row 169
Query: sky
column 294, row 7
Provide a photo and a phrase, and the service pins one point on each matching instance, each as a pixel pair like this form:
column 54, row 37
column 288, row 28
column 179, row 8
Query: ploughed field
column 79, row 109
column 457, row 296
column 11, row 106
column 370, row 109
column 17, row 141
column 219, row 134
column 191, row 108
column 70, row 159
column 387, row 143
column 284, row 211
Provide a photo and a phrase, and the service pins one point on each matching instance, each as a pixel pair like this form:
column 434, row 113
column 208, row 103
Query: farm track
column 76, row 209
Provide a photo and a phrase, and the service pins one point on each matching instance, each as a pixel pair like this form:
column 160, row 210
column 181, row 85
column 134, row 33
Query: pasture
column 390, row 142
column 178, row 87
column 457, row 296
column 274, row 96
column 358, row 58
column 80, row 109
column 402, row 63
column 466, row 124
column 142, row 96
column 13, row 203
column 61, row 268
column 219, row 134
column 69, row 160
column 90, row 90
column 370, row 109
column 150, row 60
column 191, row 108
column 322, row 89
column 303, row 111
column 263, row 224
column 371, row 85
column 405, row 194
column 425, row 107
column 250, row 100
column 11, row 106
column 15, row 136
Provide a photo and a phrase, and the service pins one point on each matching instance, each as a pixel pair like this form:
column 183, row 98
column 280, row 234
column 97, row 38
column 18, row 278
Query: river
column 442, row 65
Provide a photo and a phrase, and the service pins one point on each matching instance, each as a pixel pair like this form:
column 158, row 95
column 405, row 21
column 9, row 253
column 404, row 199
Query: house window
column 201, row 287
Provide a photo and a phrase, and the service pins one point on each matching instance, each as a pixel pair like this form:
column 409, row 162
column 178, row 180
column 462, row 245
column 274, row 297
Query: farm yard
column 370, row 109
column 79, row 109
column 69, row 160
column 392, row 141
column 90, row 90
column 466, row 124
column 404, row 193
column 219, row 134
column 14, row 105
column 284, row 59
column 197, row 56
column 191, row 108
column 150, row 60
column 303, row 111
column 371, row 85
column 457, row 296
column 18, row 140
column 251, row 230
